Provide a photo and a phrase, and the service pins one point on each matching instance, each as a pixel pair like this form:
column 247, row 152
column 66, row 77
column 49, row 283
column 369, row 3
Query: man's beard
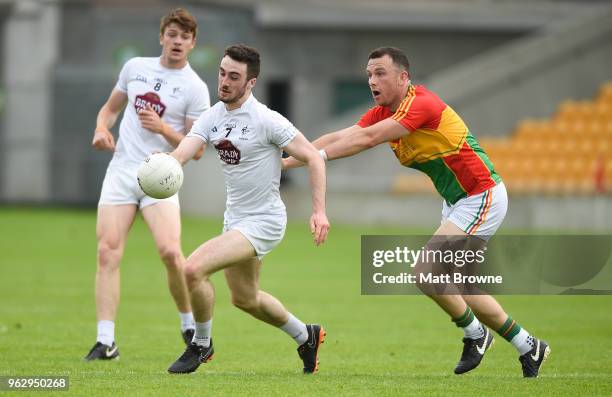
column 234, row 98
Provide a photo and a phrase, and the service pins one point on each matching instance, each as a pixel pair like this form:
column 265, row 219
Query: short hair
column 181, row 17
column 397, row 56
column 244, row 54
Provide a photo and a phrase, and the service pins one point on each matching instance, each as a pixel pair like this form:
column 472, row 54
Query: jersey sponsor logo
column 151, row 99
column 141, row 78
column 402, row 149
column 228, row 153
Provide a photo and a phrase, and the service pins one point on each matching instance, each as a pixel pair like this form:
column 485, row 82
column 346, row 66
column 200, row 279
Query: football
column 160, row 175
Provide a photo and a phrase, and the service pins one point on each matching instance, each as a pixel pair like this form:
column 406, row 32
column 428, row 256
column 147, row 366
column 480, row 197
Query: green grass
column 376, row 345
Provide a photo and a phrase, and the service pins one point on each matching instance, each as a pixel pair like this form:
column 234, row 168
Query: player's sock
column 187, row 321
column 295, row 329
column 470, row 324
column 202, row 333
column 523, row 342
column 515, row 334
column 106, row 332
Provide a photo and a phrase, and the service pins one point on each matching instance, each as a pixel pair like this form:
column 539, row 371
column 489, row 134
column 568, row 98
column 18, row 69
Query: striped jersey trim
column 401, row 111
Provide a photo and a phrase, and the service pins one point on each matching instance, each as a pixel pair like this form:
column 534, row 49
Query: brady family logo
column 151, row 99
column 228, row 153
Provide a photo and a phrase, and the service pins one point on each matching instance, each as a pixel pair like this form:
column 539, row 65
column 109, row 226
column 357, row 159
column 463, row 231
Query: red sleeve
column 370, row 117
column 419, row 112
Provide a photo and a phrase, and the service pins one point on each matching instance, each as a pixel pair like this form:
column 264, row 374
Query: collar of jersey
column 246, row 103
column 165, row 69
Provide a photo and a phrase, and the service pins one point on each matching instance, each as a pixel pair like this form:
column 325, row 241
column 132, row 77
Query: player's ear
column 161, row 39
column 251, row 83
column 404, row 77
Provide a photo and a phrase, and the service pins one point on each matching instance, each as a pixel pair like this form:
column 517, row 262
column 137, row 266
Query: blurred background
column 532, row 79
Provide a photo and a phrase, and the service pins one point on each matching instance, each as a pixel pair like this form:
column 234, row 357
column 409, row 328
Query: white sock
column 296, row 329
column 202, row 333
column 523, row 342
column 106, row 332
column 474, row 330
column 187, row 321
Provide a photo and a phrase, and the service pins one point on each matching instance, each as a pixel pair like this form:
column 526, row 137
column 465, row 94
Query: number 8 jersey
column 174, row 94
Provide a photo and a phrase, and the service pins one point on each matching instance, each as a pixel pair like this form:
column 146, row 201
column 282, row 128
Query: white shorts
column 121, row 187
column 479, row 215
column 264, row 232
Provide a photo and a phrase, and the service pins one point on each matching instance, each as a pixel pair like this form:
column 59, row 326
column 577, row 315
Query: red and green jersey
column 438, row 143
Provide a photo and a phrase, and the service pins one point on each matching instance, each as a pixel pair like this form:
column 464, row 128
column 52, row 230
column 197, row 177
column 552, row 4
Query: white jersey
column 249, row 142
column 175, row 94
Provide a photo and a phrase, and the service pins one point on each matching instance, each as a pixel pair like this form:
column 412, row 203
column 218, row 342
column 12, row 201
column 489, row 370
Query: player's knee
column 109, row 255
column 245, row 304
column 193, row 275
column 171, row 256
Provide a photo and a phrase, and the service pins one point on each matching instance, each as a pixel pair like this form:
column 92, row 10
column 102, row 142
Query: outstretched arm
column 305, row 152
column 188, row 124
column 321, row 142
column 365, row 138
column 189, row 146
column 107, row 116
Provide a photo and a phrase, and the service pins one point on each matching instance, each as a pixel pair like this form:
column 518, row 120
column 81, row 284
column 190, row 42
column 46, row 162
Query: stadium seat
column 605, row 94
column 412, row 184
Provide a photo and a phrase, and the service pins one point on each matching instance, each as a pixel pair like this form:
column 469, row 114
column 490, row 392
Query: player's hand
column 199, row 153
column 103, row 140
column 319, row 227
column 150, row 120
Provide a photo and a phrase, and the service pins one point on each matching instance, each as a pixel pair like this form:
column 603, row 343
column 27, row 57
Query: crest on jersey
column 176, row 92
column 228, row 153
column 151, row 99
column 244, row 133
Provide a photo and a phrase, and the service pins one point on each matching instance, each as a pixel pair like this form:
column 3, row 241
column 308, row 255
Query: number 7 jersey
column 249, row 142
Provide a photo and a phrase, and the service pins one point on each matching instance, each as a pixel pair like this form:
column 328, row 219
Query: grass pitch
column 375, row 345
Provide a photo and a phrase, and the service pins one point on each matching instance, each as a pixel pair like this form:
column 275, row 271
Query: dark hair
column 244, row 54
column 181, row 17
column 397, row 56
